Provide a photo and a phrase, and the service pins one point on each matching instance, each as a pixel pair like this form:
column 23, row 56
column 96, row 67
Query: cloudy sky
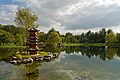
column 74, row 16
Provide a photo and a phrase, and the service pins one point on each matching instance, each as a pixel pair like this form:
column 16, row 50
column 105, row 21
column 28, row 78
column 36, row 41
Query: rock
column 55, row 55
column 50, row 55
column 29, row 60
column 39, row 58
column 14, row 58
column 19, row 61
column 47, row 57
column 14, row 61
column 17, row 52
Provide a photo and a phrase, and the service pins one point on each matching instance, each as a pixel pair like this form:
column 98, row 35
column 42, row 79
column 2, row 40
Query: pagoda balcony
column 33, row 43
column 33, row 49
column 33, row 37
column 33, row 33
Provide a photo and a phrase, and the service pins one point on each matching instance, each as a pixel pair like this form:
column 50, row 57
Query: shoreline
column 85, row 44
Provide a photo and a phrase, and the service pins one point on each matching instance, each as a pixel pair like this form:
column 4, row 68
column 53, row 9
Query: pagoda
column 33, row 46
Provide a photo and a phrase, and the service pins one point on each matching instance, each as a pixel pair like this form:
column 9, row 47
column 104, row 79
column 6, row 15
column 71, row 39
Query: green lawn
column 9, row 46
column 85, row 44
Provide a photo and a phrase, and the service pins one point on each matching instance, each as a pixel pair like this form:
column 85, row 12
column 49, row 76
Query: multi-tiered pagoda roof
column 33, row 41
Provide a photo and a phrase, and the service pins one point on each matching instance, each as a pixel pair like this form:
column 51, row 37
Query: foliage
column 19, row 40
column 118, row 37
column 89, row 37
column 17, row 32
column 26, row 56
column 26, row 18
column 6, row 37
column 53, row 38
column 42, row 37
column 111, row 38
column 43, row 53
column 19, row 56
column 10, row 28
column 69, row 38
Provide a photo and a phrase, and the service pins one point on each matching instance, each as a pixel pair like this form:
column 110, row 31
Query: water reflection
column 72, row 64
column 31, row 71
column 104, row 53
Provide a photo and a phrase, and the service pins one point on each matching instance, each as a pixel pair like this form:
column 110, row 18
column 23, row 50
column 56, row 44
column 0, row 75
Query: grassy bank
column 85, row 44
column 11, row 47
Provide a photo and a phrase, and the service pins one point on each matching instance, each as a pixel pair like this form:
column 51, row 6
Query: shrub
column 19, row 56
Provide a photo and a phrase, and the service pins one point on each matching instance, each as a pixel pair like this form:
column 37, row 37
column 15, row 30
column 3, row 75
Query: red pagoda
column 33, row 41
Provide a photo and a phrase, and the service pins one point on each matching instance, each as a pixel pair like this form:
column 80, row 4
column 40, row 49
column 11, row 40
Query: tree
column 18, row 39
column 42, row 37
column 68, row 37
column 111, row 38
column 109, row 31
column 2, row 38
column 118, row 37
column 102, row 35
column 88, row 35
column 26, row 18
column 10, row 28
column 6, row 37
column 21, row 31
column 53, row 38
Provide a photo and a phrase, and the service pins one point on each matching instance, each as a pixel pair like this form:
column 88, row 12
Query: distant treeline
column 102, row 36
column 10, row 34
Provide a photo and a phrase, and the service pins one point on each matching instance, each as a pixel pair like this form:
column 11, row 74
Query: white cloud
column 69, row 15
column 7, row 13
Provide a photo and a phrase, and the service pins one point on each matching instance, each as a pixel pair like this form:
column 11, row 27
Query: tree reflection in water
column 104, row 53
column 31, row 71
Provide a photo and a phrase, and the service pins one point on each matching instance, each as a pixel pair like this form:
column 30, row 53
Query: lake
column 73, row 63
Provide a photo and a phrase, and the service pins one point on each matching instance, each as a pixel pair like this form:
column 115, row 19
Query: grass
column 85, row 44
column 11, row 47
column 43, row 53
column 21, row 56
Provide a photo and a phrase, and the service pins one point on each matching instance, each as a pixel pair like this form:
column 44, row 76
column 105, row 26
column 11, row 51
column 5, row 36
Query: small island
column 32, row 52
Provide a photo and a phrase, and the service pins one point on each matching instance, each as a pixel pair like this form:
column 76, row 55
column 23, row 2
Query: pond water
column 73, row 63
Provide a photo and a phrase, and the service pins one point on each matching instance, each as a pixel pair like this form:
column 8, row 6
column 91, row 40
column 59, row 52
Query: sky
column 74, row 16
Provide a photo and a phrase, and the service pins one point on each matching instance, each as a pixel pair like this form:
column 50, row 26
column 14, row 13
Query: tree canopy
column 53, row 37
column 26, row 18
column 6, row 37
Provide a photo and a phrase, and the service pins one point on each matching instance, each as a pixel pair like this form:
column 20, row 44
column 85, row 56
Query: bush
column 26, row 56
column 42, row 53
column 19, row 56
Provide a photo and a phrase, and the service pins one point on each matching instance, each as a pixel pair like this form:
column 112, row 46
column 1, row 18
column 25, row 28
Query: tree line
column 102, row 36
column 10, row 34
